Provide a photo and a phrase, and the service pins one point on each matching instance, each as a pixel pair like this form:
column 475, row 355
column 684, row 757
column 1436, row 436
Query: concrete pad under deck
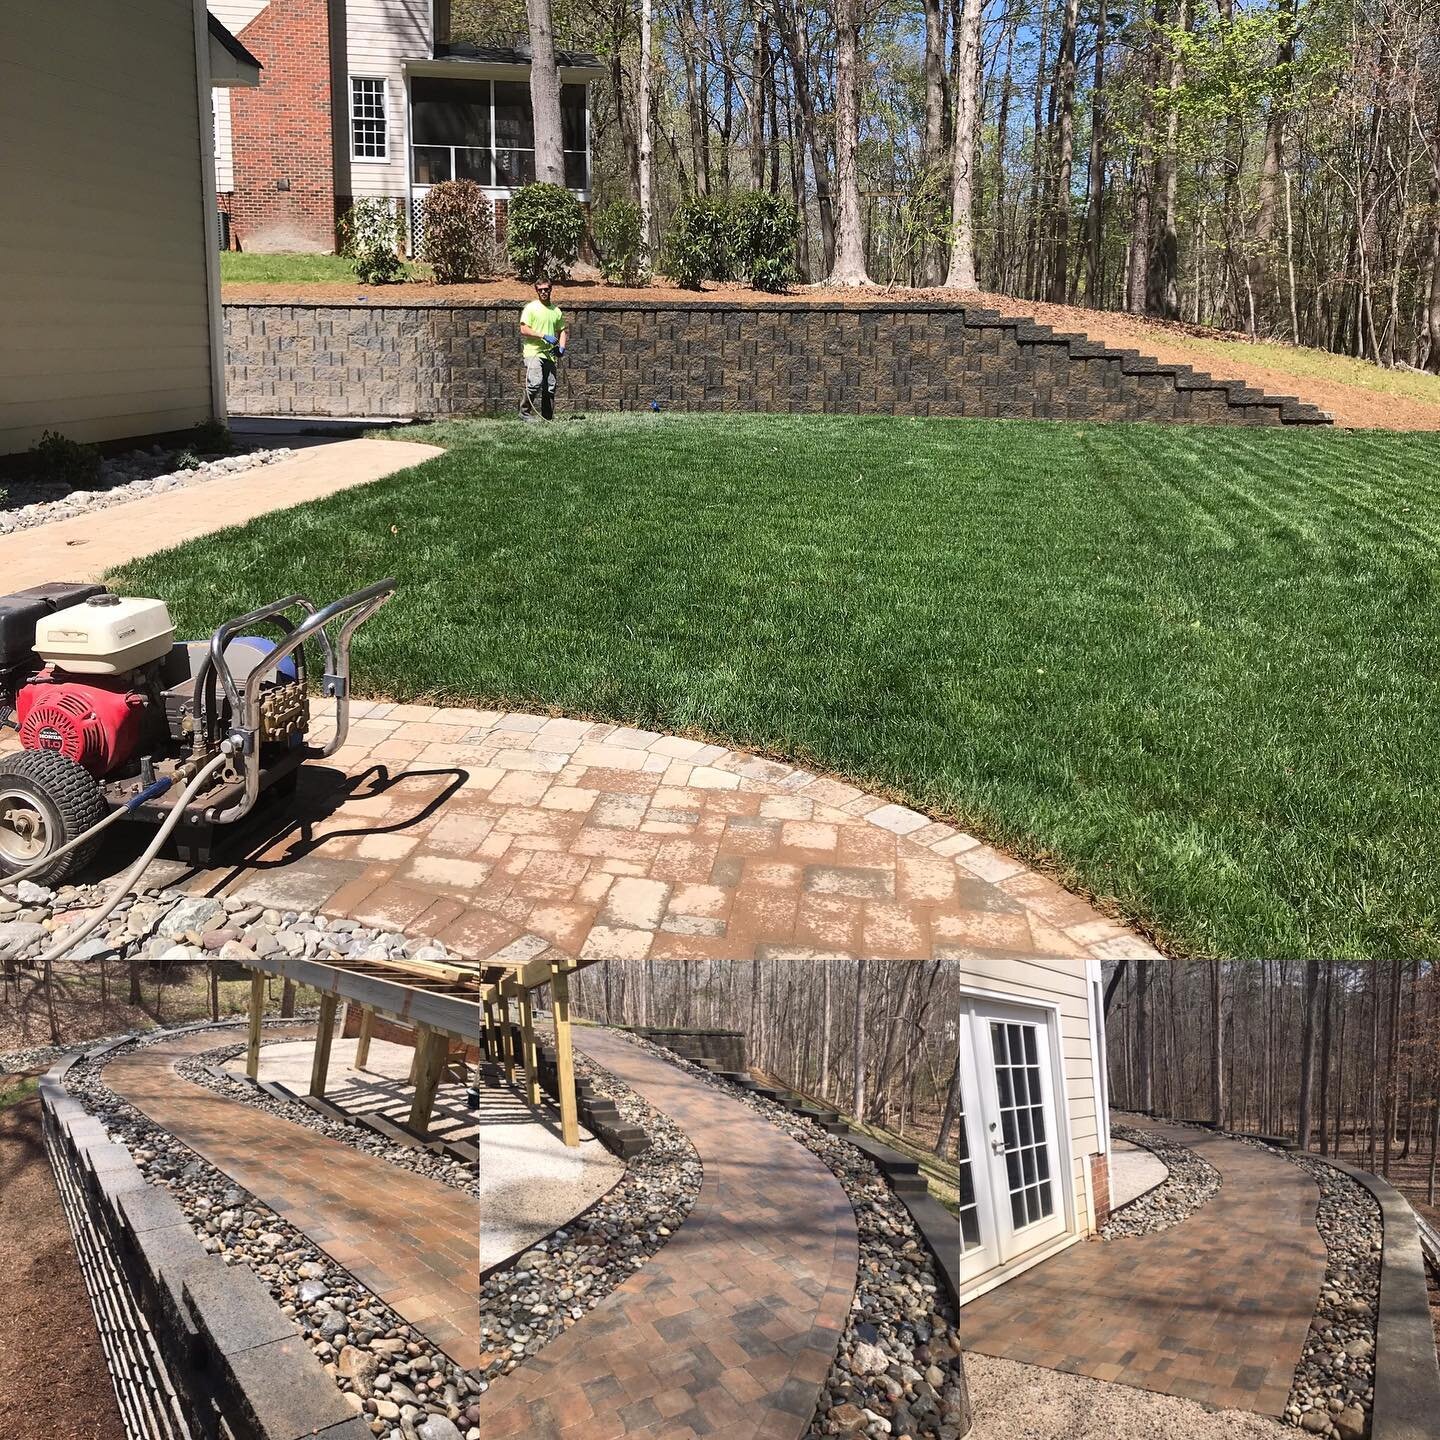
column 531, row 1183
column 381, row 1089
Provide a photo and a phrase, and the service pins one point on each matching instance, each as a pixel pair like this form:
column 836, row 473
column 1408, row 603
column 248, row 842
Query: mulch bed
column 53, row 1377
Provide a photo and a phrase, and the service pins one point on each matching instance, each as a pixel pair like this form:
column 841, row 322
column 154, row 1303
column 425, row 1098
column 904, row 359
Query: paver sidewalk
column 87, row 546
column 1216, row 1308
column 408, row 1239
column 729, row 1330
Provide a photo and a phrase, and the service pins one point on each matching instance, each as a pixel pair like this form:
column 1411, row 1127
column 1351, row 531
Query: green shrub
column 762, row 239
column 618, row 239
column 211, row 437
column 371, row 234
column 457, row 232
column 543, row 228
column 67, row 462
column 698, row 245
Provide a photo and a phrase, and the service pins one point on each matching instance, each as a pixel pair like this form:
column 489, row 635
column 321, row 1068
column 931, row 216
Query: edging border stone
column 238, row 1362
column 1407, row 1372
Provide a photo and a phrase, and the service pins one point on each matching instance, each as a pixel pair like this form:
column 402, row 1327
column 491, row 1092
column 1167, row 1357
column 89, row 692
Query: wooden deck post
column 430, row 1055
column 564, row 1056
column 320, row 1069
column 362, row 1046
column 507, row 1039
column 532, row 1063
column 257, row 1014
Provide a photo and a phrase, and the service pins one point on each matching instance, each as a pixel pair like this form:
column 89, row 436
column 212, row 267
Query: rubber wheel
column 45, row 802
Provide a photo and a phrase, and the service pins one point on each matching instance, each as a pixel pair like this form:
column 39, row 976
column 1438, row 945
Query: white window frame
column 384, row 82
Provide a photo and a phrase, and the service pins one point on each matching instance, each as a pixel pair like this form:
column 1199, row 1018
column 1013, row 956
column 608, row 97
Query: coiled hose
column 131, row 876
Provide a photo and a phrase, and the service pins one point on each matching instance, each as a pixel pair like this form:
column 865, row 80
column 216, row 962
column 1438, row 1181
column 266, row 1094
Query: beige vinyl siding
column 104, row 296
column 380, row 36
column 1060, row 982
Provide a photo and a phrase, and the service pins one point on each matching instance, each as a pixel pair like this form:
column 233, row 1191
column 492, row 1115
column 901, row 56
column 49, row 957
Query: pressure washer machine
column 119, row 721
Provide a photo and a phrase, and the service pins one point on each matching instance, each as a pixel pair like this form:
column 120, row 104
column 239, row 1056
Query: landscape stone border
column 441, row 359
column 236, row 1358
column 1407, row 1372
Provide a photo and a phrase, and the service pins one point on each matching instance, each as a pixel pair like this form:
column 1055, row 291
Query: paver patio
column 1215, row 1309
column 727, row 1331
column 85, row 547
column 408, row 1239
column 492, row 830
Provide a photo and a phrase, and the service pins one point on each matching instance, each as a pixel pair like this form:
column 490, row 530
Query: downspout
column 210, row 204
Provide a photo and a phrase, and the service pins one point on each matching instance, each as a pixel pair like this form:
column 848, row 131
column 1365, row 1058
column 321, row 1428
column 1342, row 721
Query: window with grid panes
column 368, row 136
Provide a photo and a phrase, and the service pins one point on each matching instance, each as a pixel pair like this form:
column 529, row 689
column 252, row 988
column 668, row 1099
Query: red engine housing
column 84, row 721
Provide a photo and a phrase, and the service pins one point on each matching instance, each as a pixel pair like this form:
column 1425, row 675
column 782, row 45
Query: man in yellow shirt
column 542, row 341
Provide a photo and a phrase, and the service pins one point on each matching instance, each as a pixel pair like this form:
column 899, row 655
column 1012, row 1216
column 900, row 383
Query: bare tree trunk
column 1060, row 261
column 1170, row 239
column 962, row 193
column 1432, row 319
column 952, row 1111
column 857, row 1100
column 934, row 264
column 545, row 95
column 647, row 215
column 825, row 969
column 759, row 54
column 1137, row 279
column 849, row 268
column 1217, row 1095
column 1392, row 1059
column 1095, row 214
column 1265, row 210
column 796, row 39
column 1307, row 1052
column 1325, row 1059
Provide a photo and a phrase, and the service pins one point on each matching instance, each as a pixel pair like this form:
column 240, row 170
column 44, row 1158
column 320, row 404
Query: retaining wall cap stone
column 234, row 1310
column 279, row 1392
column 149, row 1209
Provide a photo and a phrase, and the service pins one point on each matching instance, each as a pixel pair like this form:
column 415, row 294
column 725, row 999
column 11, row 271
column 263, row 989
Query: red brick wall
column 281, row 133
column 1100, row 1184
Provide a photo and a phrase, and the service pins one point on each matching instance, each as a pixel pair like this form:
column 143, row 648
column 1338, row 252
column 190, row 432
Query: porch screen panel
column 450, row 130
column 514, row 134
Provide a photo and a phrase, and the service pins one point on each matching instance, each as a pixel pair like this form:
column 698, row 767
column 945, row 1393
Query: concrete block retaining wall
column 241, row 1367
column 443, row 361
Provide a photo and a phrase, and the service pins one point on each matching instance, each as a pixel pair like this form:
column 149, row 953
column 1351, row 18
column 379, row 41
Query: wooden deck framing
column 441, row 1003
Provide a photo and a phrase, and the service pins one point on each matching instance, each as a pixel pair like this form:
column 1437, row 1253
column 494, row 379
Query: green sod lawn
column 1188, row 669
column 238, row 268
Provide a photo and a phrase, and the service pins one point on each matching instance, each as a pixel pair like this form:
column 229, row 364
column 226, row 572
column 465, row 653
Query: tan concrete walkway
column 87, row 546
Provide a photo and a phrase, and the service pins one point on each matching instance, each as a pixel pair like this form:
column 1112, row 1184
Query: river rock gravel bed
column 897, row 1369
column 421, row 1161
column 402, row 1386
column 1190, row 1183
column 1334, row 1388
column 547, row 1288
column 25, row 504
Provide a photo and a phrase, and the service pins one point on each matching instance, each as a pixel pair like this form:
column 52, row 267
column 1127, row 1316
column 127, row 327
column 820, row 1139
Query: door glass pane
column 430, row 164
column 1015, row 1047
column 969, row 1204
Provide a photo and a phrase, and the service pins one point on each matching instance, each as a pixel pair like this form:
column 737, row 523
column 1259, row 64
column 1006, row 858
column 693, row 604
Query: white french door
column 1012, row 1174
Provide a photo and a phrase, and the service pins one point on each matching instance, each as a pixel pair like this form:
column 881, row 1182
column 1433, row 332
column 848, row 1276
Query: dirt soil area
column 54, row 1384
column 1350, row 404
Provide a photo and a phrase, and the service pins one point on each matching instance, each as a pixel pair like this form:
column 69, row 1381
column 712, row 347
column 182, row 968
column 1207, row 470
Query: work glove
column 550, row 340
column 560, row 351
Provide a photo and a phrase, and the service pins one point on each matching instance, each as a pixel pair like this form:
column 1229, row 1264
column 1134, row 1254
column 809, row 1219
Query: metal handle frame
column 244, row 705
